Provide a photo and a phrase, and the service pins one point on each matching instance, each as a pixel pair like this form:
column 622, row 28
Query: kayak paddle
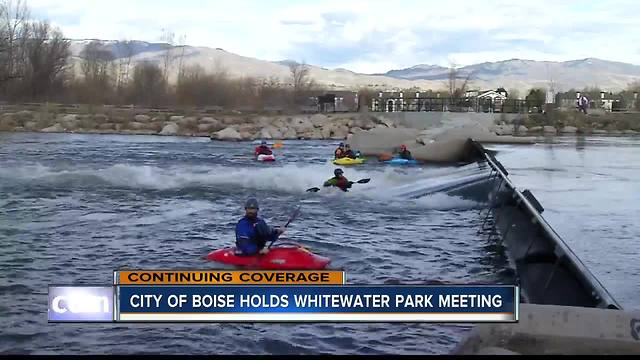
column 295, row 214
column 362, row 181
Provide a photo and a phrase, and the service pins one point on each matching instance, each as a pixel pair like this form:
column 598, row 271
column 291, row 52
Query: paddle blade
column 314, row 189
column 363, row 181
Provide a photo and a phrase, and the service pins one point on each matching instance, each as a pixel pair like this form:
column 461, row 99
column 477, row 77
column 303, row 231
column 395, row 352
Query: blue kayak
column 399, row 161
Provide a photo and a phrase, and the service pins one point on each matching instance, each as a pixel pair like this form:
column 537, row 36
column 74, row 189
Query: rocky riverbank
column 226, row 127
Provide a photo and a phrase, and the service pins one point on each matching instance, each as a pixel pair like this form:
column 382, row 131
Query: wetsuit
column 252, row 235
column 340, row 182
column 350, row 154
column 406, row 154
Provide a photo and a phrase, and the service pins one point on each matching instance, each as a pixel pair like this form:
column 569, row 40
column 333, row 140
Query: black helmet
column 337, row 172
column 252, row 203
column 263, row 142
column 341, row 144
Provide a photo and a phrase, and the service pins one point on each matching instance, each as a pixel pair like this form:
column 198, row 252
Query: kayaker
column 348, row 152
column 263, row 149
column 252, row 232
column 339, row 153
column 404, row 153
column 339, row 181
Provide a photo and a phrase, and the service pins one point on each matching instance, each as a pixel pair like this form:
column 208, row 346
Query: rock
column 630, row 132
column 326, row 132
column 302, row 125
column 265, row 134
column 142, row 118
column 599, row 131
column 207, row 128
column 569, row 130
column 100, row 118
column 290, row 134
column 535, row 129
column 615, row 132
column 503, row 129
column 24, row 116
column 319, row 120
column 55, row 128
column 169, row 129
column 228, row 134
column 493, row 350
column 31, row 125
column 7, row 122
column 549, row 130
column 175, row 118
column 522, row 129
column 340, row 133
column 209, row 120
column 188, row 122
column 355, row 129
column 107, row 126
column 246, row 136
column 136, row 125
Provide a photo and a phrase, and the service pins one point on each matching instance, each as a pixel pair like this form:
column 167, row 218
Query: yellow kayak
column 349, row 161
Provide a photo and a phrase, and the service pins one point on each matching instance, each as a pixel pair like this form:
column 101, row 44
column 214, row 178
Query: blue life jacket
column 252, row 235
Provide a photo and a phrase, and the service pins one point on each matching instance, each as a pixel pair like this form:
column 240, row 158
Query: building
column 335, row 101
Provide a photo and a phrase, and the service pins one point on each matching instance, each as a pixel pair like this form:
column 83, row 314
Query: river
column 76, row 207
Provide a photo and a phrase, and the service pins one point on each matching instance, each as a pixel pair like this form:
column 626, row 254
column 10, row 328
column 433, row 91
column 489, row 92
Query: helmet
column 263, row 142
column 252, row 203
column 348, row 146
column 341, row 144
column 337, row 172
column 403, row 147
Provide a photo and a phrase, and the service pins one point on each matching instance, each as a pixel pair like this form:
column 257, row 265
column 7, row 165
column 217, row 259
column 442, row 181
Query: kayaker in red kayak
column 339, row 181
column 252, row 232
column 263, row 149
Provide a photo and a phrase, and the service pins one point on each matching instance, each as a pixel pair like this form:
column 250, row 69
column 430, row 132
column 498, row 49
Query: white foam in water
column 387, row 183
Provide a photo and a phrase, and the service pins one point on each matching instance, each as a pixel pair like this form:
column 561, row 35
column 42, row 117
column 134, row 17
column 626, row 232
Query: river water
column 76, row 207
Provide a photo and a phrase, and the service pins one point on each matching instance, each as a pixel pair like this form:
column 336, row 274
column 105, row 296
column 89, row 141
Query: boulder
column 136, row 125
column 55, row 128
column 7, row 122
column 228, row 134
column 549, row 130
column 175, row 118
column 354, row 130
column 290, row 134
column 107, row 126
column 599, row 131
column 100, row 118
column 265, row 134
column 142, row 118
column 535, row 129
column 301, row 124
column 569, row 130
column 319, row 120
column 502, row 129
column 522, row 129
column 169, row 129
column 630, row 132
column 209, row 120
column 188, row 122
column 31, row 125
column 207, row 128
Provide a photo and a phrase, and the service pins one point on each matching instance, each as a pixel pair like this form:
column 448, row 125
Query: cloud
column 367, row 35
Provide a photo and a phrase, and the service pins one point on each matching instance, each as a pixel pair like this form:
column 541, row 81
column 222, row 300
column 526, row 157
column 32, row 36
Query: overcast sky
column 367, row 36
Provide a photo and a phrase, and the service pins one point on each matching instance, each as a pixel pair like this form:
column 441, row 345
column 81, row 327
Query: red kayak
column 286, row 256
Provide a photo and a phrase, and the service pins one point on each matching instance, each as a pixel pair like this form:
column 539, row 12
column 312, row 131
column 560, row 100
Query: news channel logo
column 80, row 304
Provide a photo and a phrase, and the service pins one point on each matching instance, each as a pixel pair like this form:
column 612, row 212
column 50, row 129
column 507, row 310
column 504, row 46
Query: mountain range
column 510, row 74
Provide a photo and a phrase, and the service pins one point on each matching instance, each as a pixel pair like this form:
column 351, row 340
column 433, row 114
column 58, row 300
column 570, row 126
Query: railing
column 454, row 105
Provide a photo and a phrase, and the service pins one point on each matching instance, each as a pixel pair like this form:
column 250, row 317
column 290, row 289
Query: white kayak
column 263, row 157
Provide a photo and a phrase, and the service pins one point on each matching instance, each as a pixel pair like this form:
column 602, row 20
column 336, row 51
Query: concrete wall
column 428, row 120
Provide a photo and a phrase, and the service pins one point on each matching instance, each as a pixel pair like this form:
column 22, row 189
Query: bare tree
column 148, row 85
column 301, row 80
column 14, row 31
column 95, row 67
column 47, row 53
column 168, row 57
column 457, row 88
column 182, row 43
column 124, row 54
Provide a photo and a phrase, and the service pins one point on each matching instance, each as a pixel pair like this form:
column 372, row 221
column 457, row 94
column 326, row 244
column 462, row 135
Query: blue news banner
column 235, row 303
